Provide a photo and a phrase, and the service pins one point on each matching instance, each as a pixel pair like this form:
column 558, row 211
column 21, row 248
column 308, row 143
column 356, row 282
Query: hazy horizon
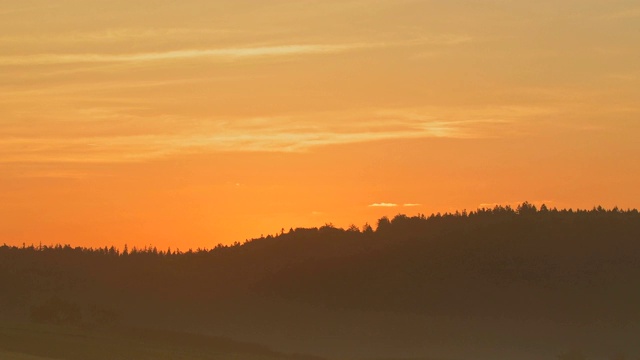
column 120, row 248
column 523, row 283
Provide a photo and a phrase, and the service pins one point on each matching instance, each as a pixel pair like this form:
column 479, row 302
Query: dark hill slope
column 563, row 266
column 413, row 281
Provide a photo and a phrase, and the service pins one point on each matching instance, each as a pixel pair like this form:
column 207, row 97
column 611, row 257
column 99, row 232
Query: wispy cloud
column 126, row 134
column 217, row 53
column 383, row 205
column 143, row 147
column 221, row 54
column 391, row 205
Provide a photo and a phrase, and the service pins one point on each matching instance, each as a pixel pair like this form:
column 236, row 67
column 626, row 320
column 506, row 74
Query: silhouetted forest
column 424, row 279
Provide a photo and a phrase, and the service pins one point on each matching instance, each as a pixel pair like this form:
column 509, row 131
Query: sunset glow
column 193, row 123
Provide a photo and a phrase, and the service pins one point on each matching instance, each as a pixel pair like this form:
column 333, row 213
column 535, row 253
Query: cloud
column 220, row 54
column 142, row 147
column 383, row 205
column 126, row 134
column 389, row 205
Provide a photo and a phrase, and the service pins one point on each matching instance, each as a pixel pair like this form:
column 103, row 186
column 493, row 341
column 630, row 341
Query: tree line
column 521, row 263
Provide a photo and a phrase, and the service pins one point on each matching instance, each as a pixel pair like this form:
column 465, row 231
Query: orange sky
column 192, row 123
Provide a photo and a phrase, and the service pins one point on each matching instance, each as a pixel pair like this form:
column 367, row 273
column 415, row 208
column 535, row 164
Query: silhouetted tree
column 526, row 209
column 383, row 224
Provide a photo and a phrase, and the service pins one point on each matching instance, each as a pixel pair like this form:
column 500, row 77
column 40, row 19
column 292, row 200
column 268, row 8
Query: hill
column 485, row 284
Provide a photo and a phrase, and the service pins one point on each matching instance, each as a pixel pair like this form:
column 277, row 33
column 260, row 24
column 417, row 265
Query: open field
column 17, row 356
column 496, row 284
column 47, row 343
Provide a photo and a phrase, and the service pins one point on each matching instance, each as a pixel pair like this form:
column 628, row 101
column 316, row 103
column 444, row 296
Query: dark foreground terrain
column 503, row 283
column 40, row 342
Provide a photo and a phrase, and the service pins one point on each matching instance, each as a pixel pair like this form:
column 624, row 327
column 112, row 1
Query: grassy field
column 30, row 342
column 17, row 356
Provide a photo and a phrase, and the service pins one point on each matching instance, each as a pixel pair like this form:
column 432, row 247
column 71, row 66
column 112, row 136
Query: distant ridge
column 521, row 266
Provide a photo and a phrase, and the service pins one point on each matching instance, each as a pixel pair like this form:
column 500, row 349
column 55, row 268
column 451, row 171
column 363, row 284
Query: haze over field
column 497, row 284
column 196, row 122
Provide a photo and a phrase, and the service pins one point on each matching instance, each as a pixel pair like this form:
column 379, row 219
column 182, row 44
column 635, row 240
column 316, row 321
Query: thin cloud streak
column 143, row 147
column 219, row 54
column 187, row 136
column 223, row 54
column 383, row 205
column 390, row 205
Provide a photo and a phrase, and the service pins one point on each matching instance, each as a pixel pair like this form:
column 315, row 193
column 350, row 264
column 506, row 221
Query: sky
column 197, row 122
